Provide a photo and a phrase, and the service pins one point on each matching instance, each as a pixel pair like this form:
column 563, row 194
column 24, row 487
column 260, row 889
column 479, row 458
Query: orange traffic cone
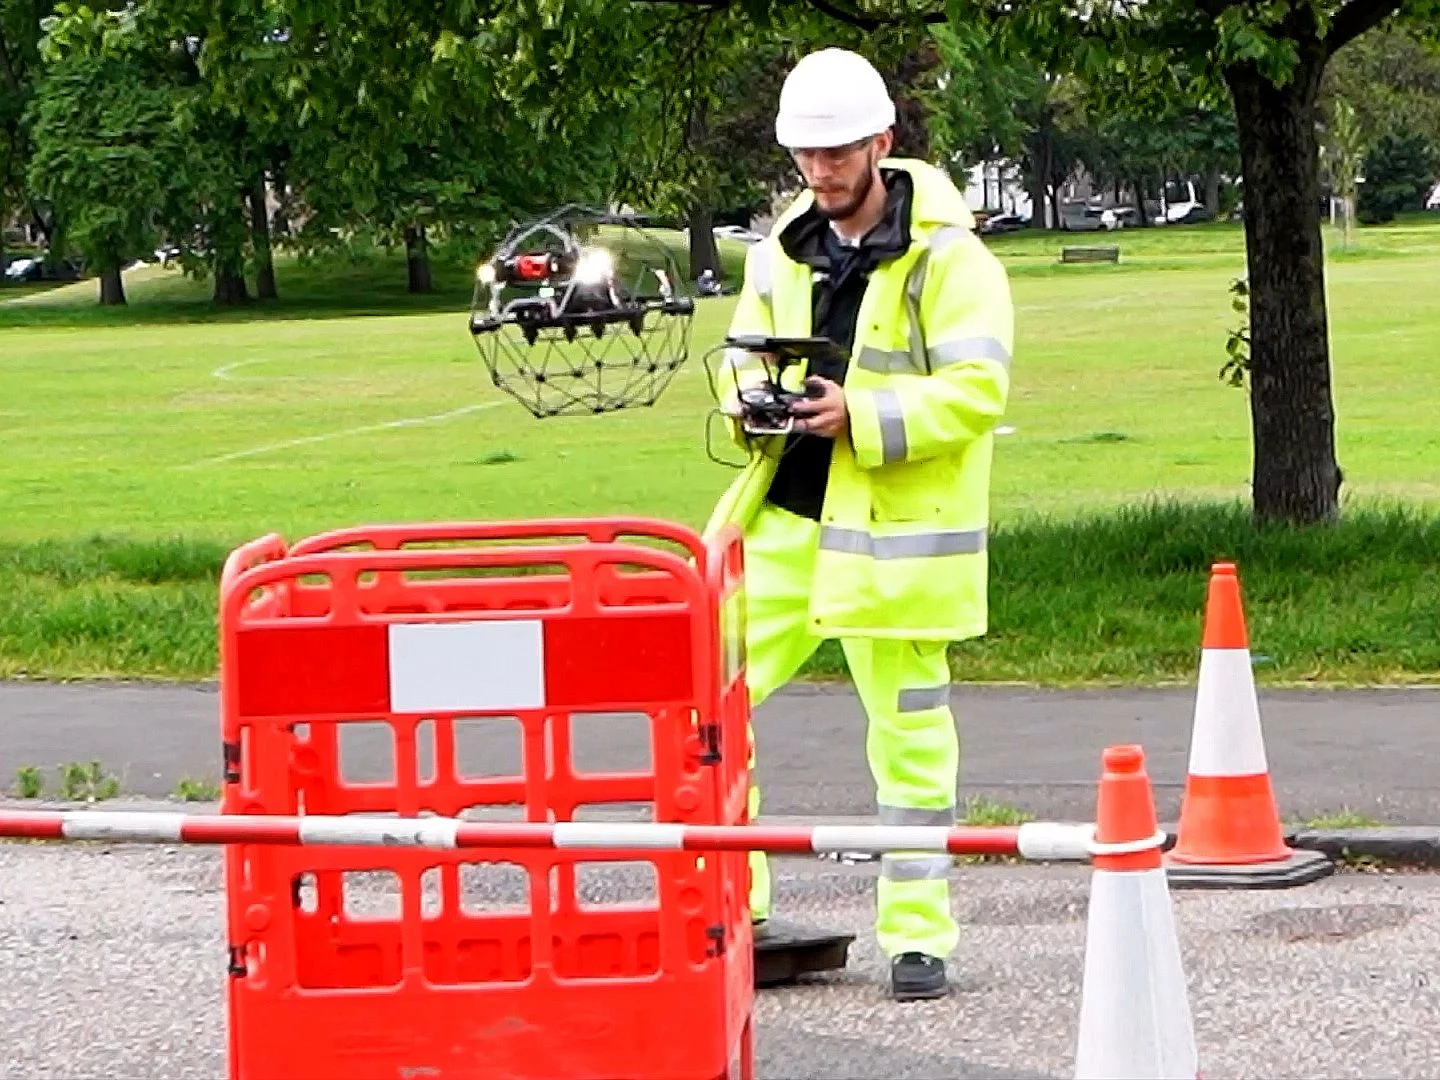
column 1134, row 1007
column 1229, row 833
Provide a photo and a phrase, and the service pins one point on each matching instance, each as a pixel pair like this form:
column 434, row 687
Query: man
column 868, row 522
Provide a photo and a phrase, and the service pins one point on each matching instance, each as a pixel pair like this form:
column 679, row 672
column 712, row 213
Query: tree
column 974, row 115
column 1342, row 150
column 697, row 83
column 1399, row 170
column 1392, row 80
column 19, row 66
column 104, row 144
column 702, row 107
column 407, row 124
column 1270, row 57
column 1387, row 83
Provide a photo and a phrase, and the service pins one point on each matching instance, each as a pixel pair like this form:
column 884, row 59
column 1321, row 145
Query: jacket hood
column 936, row 200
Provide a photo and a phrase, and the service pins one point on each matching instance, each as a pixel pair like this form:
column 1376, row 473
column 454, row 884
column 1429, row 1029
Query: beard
column 858, row 195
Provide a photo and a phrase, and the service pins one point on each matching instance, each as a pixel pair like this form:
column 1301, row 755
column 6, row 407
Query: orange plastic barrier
column 413, row 636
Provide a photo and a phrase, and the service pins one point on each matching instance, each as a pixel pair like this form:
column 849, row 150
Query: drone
column 569, row 325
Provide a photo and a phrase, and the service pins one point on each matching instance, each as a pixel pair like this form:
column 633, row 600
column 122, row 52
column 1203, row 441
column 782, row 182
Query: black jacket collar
column 804, row 238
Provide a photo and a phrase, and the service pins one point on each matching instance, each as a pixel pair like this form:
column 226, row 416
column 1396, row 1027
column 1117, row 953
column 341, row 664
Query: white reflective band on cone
column 1134, row 1009
column 1227, row 739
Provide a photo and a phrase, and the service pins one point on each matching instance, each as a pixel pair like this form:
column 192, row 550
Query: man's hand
column 825, row 414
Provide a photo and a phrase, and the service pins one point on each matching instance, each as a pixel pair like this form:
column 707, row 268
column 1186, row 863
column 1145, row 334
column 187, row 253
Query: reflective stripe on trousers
column 911, row 744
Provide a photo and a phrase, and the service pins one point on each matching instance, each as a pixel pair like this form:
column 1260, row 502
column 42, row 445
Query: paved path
column 1373, row 752
column 112, row 965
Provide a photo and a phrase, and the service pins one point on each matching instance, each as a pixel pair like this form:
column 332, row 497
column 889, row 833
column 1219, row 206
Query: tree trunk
column 1212, row 190
column 704, row 253
column 280, row 225
column 112, row 286
column 55, row 244
column 230, row 285
column 1040, row 154
column 417, row 259
column 1138, row 186
column 260, row 238
column 1295, row 474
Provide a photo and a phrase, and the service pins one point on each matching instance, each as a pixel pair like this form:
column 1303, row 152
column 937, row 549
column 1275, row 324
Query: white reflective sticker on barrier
column 606, row 834
column 498, row 664
column 381, row 832
column 122, row 825
column 882, row 838
column 1045, row 841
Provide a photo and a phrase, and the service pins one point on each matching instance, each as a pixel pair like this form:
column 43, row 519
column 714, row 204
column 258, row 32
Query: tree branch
column 861, row 22
column 873, row 22
column 1355, row 18
column 825, row 7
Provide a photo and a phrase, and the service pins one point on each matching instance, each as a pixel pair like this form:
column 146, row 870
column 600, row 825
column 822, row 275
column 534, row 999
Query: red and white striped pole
column 1035, row 841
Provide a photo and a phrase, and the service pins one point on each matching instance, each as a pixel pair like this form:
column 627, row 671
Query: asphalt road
column 1369, row 751
column 112, row 965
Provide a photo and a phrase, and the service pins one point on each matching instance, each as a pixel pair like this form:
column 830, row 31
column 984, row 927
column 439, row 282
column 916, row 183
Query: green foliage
column 1399, row 170
column 1237, row 341
column 986, row 106
column 1390, row 76
column 1341, row 150
column 19, row 61
column 106, row 145
column 405, row 122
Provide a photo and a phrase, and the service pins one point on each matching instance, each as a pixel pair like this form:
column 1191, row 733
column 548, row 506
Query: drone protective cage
column 578, row 327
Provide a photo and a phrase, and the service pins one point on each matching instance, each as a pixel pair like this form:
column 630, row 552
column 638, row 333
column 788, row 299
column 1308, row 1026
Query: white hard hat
column 830, row 98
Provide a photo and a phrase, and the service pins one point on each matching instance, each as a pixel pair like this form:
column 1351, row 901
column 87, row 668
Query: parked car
column 24, row 268
column 33, row 268
column 735, row 232
column 1002, row 223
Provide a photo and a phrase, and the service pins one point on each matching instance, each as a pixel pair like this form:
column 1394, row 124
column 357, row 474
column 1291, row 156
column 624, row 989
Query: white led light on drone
column 596, row 267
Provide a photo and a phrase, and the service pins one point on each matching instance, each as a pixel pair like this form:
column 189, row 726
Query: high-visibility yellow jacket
column 904, row 525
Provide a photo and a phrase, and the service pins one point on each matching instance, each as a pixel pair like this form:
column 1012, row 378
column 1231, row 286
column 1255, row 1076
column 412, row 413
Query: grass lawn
column 177, row 431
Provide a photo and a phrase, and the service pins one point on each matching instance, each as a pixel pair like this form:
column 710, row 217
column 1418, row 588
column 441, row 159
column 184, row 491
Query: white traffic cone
column 1134, row 1008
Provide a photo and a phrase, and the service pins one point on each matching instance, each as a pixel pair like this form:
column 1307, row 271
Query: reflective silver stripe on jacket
column 918, row 358
column 941, row 354
column 920, row 698
column 944, row 353
column 893, row 445
column 928, row 867
column 761, row 270
column 906, row 546
column 943, row 237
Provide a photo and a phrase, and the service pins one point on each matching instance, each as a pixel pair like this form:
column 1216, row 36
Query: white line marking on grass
column 225, row 370
column 389, row 425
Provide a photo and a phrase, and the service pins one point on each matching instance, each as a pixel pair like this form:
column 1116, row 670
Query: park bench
column 1089, row 254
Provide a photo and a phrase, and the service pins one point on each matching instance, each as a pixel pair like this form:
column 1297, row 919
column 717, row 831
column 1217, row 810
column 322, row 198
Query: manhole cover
column 1338, row 923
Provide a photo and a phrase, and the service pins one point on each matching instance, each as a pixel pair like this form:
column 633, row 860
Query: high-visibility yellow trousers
column 911, row 744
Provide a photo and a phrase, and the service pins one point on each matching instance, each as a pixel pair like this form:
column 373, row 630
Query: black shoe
column 917, row 977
